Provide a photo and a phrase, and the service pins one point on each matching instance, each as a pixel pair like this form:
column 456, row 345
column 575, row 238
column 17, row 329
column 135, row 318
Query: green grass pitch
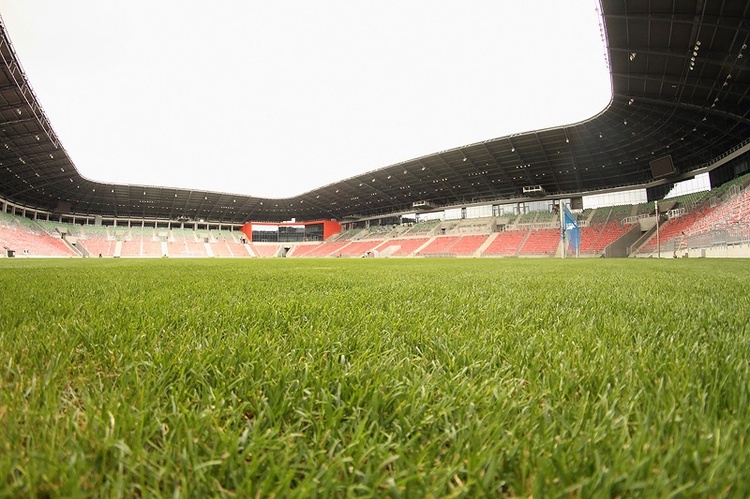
column 394, row 377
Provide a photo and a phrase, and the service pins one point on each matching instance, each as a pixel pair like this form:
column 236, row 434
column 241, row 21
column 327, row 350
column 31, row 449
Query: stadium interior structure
column 679, row 109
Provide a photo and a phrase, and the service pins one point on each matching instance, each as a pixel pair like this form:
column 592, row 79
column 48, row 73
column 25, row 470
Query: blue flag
column 571, row 229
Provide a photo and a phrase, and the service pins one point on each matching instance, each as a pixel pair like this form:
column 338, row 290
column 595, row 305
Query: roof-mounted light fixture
column 696, row 48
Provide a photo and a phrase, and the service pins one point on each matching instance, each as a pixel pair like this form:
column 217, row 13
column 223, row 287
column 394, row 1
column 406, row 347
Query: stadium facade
column 679, row 107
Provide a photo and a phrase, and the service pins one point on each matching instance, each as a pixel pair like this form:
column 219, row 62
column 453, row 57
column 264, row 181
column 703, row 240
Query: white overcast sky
column 278, row 97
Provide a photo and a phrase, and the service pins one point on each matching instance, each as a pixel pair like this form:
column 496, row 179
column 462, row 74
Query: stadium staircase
column 486, row 244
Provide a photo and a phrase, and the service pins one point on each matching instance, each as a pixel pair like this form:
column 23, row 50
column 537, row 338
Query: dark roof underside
column 680, row 88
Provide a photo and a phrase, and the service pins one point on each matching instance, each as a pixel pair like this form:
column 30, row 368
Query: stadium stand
column 237, row 248
column 439, row 246
column 475, row 226
column 402, row 246
column 131, row 243
column 423, row 228
column 349, row 234
column 454, row 245
column 733, row 211
column 181, row 242
column 674, row 228
column 265, row 250
column 359, row 248
column 506, row 243
column 374, row 232
column 96, row 241
column 685, row 221
column 19, row 240
column 596, row 236
column 468, row 245
column 301, row 249
column 219, row 246
column 541, row 242
column 328, row 248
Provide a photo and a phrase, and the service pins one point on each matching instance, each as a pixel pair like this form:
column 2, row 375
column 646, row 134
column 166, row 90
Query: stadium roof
column 680, row 89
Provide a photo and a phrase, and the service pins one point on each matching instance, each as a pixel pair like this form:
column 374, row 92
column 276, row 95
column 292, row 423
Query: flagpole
column 658, row 243
column 562, row 228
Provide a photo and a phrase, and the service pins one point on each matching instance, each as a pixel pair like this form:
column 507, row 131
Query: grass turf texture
column 375, row 377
